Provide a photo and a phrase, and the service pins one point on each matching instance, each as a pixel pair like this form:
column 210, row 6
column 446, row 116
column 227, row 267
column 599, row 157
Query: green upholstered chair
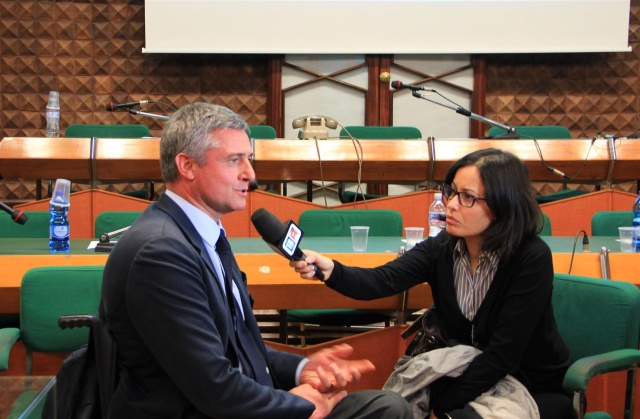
column 600, row 340
column 546, row 226
column 112, row 131
column 606, row 223
column 540, row 132
column 351, row 196
column 109, row 221
column 561, row 194
column 36, row 227
column 265, row 132
column 366, row 132
column 46, row 294
column 107, row 131
column 8, row 336
column 337, row 223
column 262, row 132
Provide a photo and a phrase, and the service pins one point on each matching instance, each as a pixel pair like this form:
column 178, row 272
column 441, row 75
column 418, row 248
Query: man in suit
column 177, row 304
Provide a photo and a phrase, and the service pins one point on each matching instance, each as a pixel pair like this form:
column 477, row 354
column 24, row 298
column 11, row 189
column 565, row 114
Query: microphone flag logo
column 292, row 239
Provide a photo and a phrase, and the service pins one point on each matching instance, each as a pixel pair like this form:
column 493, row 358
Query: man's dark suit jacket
column 168, row 314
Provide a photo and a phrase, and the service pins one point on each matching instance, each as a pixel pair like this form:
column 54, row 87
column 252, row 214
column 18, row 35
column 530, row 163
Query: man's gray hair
column 190, row 131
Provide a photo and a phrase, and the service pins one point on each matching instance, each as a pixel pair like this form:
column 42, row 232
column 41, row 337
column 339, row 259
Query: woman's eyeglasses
column 465, row 199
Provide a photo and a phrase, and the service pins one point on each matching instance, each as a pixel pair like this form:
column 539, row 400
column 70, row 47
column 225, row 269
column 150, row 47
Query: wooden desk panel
column 569, row 156
column 131, row 158
column 45, row 158
column 626, row 166
column 417, row 160
column 396, row 161
column 383, row 160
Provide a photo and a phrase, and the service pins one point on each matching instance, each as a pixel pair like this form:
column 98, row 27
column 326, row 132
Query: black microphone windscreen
column 21, row 218
column 396, row 84
column 268, row 225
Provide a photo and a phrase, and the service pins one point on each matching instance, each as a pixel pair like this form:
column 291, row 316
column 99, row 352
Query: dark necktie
column 250, row 356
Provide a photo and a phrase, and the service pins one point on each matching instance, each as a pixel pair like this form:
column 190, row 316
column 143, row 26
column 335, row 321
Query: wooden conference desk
column 272, row 283
column 276, row 286
column 395, row 161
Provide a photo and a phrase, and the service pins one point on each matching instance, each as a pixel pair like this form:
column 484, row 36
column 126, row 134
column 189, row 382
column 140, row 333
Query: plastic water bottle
column 437, row 215
column 59, row 223
column 53, row 115
column 636, row 221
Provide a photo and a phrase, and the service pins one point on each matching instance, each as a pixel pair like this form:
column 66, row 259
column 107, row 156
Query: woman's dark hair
column 508, row 193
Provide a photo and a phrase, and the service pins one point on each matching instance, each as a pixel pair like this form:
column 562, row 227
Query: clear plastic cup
column 628, row 237
column 54, row 100
column 359, row 238
column 413, row 236
column 61, row 192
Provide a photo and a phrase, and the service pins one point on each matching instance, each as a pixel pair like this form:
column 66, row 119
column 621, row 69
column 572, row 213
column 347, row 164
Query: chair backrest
column 263, row 132
column 606, row 223
column 380, row 133
column 546, row 226
column 595, row 315
column 36, row 227
column 109, row 221
column 549, row 132
column 107, row 131
column 46, row 293
column 337, row 223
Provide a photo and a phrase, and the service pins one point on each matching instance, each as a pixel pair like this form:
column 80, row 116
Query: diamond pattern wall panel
column 588, row 93
column 91, row 52
column 585, row 92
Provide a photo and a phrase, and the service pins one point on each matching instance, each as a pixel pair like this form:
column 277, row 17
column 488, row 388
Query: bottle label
column 53, row 114
column 437, row 223
column 60, row 232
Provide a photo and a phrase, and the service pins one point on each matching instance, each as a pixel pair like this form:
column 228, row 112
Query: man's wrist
column 301, row 366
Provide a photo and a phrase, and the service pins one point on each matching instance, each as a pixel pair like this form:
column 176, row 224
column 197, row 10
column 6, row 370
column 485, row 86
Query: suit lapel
column 167, row 205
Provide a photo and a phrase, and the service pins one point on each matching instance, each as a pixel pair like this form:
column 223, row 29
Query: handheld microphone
column 282, row 238
column 397, row 84
column 16, row 215
column 115, row 106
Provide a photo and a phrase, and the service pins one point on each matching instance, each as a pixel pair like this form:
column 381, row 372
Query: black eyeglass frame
column 462, row 196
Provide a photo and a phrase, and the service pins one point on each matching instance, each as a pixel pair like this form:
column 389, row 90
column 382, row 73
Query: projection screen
column 386, row 27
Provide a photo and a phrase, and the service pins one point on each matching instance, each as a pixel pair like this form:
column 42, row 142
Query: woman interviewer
column 491, row 278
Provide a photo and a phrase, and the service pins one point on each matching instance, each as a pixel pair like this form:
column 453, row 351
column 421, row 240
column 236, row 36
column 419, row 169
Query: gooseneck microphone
column 16, row 215
column 115, row 106
column 557, row 172
column 284, row 239
column 397, row 84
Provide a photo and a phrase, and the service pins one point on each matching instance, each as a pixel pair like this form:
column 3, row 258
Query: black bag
column 76, row 394
column 431, row 334
column 88, row 375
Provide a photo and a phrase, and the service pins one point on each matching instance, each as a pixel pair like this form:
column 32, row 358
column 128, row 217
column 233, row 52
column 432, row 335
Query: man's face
column 221, row 185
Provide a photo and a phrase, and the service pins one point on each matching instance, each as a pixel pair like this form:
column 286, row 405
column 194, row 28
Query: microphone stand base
column 104, row 247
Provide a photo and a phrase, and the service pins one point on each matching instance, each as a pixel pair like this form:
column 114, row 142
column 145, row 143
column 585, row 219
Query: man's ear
column 186, row 166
